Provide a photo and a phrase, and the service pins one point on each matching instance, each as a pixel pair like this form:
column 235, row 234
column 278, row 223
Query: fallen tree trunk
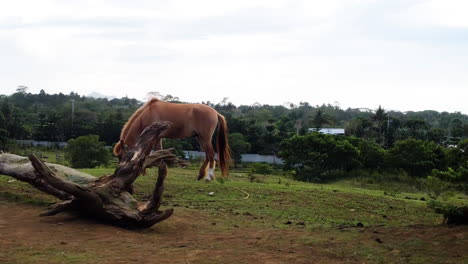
column 107, row 198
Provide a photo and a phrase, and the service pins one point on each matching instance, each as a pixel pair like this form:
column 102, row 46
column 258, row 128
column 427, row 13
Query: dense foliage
column 315, row 157
column 60, row 117
column 238, row 145
column 416, row 142
column 417, row 157
column 319, row 157
column 87, row 152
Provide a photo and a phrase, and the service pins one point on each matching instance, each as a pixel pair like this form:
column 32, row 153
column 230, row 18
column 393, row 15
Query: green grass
column 330, row 211
column 276, row 200
column 312, row 204
column 48, row 155
column 273, row 201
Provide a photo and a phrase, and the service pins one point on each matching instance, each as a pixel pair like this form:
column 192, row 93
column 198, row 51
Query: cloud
column 360, row 52
column 445, row 13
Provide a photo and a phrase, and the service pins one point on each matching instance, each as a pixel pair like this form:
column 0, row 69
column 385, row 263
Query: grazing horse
column 187, row 120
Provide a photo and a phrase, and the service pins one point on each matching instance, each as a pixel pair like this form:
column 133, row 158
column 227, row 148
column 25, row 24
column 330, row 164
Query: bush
column 417, row 157
column 450, row 175
column 435, row 187
column 87, row 152
column 458, row 157
column 314, row 155
column 3, row 139
column 371, row 155
column 452, row 214
column 261, row 168
column 458, row 178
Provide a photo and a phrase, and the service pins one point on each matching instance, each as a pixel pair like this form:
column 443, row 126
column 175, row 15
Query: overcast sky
column 401, row 54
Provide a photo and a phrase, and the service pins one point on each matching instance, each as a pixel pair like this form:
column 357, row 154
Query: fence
column 271, row 159
column 36, row 143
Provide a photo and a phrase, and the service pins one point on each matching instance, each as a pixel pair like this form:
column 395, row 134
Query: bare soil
column 192, row 236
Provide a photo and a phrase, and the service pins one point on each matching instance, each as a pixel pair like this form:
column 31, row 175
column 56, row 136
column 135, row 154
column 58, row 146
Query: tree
column 416, row 128
column 380, row 117
column 456, row 128
column 3, row 132
column 255, row 136
column 238, row 146
column 48, row 127
column 417, row 157
column 14, row 121
column 271, row 139
column 458, row 156
column 318, row 157
column 437, row 135
column 87, row 152
column 360, row 127
column 319, row 119
column 371, row 154
column 108, row 198
column 170, row 98
column 21, row 89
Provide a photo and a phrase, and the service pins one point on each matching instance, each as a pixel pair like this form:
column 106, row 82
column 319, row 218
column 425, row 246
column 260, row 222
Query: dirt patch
column 192, row 236
column 189, row 237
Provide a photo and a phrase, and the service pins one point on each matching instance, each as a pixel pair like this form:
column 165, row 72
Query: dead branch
column 107, row 198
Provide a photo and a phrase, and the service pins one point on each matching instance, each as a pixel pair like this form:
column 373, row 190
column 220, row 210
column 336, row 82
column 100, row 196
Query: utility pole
column 72, row 116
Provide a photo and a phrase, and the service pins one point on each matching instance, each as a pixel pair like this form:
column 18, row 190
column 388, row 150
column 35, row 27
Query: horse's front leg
column 202, row 172
column 157, row 146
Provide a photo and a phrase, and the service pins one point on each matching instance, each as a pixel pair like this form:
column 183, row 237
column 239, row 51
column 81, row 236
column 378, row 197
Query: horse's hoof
column 207, row 180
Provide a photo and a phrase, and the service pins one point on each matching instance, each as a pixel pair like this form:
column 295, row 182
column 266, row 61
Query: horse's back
column 187, row 119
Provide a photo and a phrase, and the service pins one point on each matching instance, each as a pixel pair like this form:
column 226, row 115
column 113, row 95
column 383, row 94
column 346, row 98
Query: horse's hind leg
column 211, row 168
column 209, row 159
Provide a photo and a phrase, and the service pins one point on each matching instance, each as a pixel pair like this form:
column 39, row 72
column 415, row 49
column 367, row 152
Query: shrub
column 3, row 139
column 451, row 175
column 371, row 155
column 87, row 152
column 435, row 187
column 458, row 157
column 311, row 156
column 261, row 168
column 458, row 178
column 417, row 157
column 452, row 214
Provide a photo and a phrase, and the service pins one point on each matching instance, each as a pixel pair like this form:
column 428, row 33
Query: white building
column 329, row 131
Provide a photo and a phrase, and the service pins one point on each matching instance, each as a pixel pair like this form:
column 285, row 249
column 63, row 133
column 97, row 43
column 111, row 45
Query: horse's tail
column 224, row 152
column 117, row 148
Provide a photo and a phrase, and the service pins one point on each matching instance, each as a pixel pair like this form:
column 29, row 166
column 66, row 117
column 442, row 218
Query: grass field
column 344, row 222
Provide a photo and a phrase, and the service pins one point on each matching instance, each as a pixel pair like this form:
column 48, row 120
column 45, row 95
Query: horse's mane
column 135, row 116
column 130, row 122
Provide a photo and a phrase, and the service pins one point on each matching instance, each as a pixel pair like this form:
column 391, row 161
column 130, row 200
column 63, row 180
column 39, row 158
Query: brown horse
column 187, row 120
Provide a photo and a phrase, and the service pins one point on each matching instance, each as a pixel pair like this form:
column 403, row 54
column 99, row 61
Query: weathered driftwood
column 108, row 197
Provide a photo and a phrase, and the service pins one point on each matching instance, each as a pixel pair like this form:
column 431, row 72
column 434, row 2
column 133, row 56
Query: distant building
column 329, row 131
column 271, row 159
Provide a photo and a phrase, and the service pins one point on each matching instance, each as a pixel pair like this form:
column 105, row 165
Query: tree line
column 253, row 128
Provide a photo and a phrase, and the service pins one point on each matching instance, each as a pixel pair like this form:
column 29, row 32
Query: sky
column 400, row 54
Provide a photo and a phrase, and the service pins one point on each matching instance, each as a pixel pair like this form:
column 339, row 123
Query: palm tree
column 379, row 117
column 320, row 119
